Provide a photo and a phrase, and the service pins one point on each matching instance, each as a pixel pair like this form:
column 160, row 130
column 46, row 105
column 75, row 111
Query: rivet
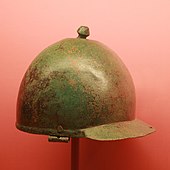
column 60, row 128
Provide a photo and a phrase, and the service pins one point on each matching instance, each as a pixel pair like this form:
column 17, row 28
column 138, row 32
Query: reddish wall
column 139, row 31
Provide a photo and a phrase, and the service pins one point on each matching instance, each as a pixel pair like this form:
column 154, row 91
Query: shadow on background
column 115, row 155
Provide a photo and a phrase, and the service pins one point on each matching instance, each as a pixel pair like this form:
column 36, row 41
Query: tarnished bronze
column 79, row 88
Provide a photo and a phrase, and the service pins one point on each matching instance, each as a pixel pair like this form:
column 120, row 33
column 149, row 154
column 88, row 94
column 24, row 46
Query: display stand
column 74, row 153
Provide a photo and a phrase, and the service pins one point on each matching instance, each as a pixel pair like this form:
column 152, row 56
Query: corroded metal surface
column 72, row 85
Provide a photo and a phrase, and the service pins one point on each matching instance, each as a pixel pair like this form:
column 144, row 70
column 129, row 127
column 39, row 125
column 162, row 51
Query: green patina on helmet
column 79, row 88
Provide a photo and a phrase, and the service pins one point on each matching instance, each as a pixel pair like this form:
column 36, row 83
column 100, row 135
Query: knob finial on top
column 83, row 32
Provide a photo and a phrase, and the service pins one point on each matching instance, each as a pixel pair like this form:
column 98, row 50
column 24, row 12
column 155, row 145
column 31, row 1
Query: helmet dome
column 79, row 88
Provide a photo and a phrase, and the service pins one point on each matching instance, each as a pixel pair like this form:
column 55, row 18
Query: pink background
column 139, row 31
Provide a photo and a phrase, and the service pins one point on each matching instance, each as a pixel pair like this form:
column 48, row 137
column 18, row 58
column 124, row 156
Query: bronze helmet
column 79, row 88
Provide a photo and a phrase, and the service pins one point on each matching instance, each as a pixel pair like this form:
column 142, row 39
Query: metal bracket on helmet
column 65, row 139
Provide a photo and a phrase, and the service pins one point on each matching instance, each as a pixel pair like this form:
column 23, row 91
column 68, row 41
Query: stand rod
column 74, row 153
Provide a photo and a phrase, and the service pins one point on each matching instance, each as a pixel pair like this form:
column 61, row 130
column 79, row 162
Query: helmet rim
column 113, row 131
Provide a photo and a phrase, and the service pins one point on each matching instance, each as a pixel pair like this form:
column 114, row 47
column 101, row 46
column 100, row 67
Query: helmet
column 79, row 88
